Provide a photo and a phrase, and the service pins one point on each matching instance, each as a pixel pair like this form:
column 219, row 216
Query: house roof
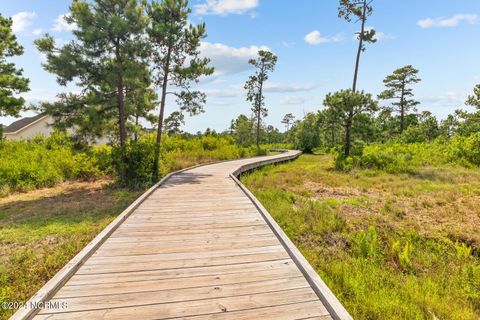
column 22, row 123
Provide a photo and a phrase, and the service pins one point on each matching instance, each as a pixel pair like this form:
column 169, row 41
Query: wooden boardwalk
column 197, row 247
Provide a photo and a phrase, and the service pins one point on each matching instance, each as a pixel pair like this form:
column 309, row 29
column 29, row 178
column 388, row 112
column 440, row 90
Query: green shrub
column 103, row 157
column 136, row 161
column 465, row 150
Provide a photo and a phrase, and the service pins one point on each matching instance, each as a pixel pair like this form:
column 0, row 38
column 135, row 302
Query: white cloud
column 288, row 87
column 37, row 32
column 62, row 25
column 315, row 38
column 225, row 7
column 22, row 20
column 287, row 44
column 229, row 60
column 448, row 22
column 293, row 100
column 379, row 36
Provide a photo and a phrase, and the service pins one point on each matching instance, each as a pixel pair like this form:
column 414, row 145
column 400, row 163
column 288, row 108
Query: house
column 39, row 125
column 29, row 127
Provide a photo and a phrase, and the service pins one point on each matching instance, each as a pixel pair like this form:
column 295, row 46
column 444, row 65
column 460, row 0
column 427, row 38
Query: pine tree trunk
column 402, row 109
column 123, row 132
column 136, row 128
column 333, row 136
column 402, row 119
column 259, row 109
column 121, row 114
column 258, row 129
column 160, row 117
column 347, row 140
column 360, row 46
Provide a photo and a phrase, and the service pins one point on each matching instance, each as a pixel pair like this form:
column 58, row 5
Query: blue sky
column 316, row 52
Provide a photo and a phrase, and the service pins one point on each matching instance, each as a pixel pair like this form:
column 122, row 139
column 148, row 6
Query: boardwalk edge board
column 336, row 309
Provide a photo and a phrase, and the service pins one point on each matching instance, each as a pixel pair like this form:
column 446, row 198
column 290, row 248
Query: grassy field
column 390, row 246
column 42, row 230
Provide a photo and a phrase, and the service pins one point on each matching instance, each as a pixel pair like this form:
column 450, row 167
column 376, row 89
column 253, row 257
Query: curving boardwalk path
column 197, row 246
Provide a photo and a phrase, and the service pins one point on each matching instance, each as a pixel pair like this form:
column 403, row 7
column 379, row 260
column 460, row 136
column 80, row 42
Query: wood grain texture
column 196, row 247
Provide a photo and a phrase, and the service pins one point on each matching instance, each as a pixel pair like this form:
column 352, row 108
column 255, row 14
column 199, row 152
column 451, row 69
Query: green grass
column 390, row 246
column 42, row 230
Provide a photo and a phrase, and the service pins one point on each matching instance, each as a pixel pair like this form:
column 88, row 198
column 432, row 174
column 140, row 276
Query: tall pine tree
column 358, row 10
column 347, row 106
column 264, row 64
column 106, row 58
column 176, row 60
column 11, row 80
column 398, row 89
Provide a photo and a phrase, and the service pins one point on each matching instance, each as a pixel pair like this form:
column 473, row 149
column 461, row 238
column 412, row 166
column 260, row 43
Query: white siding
column 41, row 127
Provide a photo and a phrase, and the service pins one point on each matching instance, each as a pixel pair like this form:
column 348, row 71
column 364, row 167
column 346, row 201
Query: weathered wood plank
column 306, row 304
column 97, row 258
column 170, row 296
column 206, row 232
column 121, row 277
column 150, row 285
column 170, row 241
column 292, row 310
column 128, row 264
column 119, row 249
